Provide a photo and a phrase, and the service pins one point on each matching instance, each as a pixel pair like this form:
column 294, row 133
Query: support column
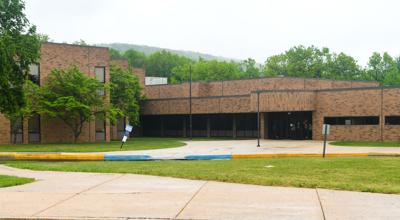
column 162, row 126
column 234, row 126
column 262, row 126
column 208, row 127
column 184, row 127
column 25, row 131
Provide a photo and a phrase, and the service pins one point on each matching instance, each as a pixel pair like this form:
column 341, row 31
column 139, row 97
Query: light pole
column 190, row 102
column 258, row 118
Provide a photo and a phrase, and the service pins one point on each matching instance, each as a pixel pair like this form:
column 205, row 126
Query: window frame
column 387, row 117
column 38, row 70
column 354, row 120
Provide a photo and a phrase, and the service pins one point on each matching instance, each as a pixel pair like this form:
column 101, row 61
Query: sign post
column 325, row 132
column 128, row 130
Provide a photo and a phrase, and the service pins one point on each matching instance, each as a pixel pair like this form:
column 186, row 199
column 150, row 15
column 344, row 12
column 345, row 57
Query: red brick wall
column 62, row 56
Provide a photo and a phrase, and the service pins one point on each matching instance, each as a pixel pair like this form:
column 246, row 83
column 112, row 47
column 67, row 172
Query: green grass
column 377, row 174
column 366, row 143
column 6, row 181
column 135, row 143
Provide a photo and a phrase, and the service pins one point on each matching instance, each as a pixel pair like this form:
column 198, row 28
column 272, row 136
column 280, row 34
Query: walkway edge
column 133, row 157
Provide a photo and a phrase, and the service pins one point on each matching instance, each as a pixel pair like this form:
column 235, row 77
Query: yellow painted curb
column 28, row 156
column 243, row 156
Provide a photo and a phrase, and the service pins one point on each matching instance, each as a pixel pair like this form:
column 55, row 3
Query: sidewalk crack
column 320, row 204
column 191, row 199
column 78, row 193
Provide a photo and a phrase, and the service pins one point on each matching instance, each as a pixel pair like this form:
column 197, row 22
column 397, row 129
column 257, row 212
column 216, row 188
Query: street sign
column 326, row 129
column 128, row 129
column 325, row 132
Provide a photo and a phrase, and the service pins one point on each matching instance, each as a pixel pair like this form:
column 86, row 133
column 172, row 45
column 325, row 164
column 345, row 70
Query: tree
column 135, row 58
column 250, row 69
column 125, row 93
column 342, row 67
column 162, row 62
column 19, row 47
column 115, row 54
column 73, row 97
column 382, row 68
column 303, row 61
column 80, row 42
column 207, row 70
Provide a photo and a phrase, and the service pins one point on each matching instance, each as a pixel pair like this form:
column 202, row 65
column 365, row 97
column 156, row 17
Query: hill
column 149, row 50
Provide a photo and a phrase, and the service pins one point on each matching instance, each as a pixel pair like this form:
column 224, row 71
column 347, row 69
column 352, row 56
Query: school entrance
column 289, row 125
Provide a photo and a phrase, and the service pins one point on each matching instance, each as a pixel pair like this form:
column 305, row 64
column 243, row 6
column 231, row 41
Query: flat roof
column 76, row 45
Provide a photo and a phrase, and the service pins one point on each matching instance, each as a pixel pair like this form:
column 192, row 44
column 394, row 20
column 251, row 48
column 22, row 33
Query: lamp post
column 258, row 118
column 190, row 103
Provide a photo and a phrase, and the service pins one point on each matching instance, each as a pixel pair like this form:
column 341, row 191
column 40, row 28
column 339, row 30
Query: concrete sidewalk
column 69, row 195
column 249, row 147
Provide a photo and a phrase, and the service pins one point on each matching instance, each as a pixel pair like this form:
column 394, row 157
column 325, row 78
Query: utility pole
column 190, row 103
column 258, row 118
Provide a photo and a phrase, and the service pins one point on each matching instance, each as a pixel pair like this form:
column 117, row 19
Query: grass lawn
column 13, row 180
column 366, row 143
column 377, row 174
column 136, row 143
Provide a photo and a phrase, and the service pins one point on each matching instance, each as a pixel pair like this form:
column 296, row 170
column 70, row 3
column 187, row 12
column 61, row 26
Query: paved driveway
column 104, row 196
column 249, row 147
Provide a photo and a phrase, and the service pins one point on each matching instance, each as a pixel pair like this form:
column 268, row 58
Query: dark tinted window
column 392, row 120
column 361, row 120
column 34, row 73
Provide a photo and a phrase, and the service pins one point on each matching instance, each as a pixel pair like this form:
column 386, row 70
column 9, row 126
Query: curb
column 116, row 157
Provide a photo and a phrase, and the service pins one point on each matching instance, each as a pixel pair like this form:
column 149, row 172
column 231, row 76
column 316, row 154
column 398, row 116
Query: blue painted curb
column 209, row 157
column 126, row 157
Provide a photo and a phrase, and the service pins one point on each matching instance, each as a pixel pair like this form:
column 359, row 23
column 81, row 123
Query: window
column 392, row 120
column 358, row 120
column 34, row 129
column 100, row 125
column 34, row 73
column 16, row 129
column 100, row 74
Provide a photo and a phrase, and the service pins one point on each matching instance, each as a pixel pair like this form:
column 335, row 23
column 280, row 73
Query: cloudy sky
column 230, row 28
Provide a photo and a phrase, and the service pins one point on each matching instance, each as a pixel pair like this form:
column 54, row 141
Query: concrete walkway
column 69, row 195
column 249, row 147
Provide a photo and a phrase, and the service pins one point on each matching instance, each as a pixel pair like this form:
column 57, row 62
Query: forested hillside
column 147, row 50
column 298, row 61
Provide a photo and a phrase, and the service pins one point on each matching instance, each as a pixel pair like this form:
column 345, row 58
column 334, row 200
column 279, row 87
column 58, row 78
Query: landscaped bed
column 376, row 174
column 132, row 144
column 6, row 181
column 366, row 143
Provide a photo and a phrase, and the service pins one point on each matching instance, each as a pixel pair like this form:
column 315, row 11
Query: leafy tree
column 162, row 62
column 250, row 69
column 297, row 61
column 342, row 67
column 135, row 58
column 80, row 42
column 383, row 68
column 115, row 54
column 73, row 97
column 125, row 93
column 207, row 70
column 19, row 47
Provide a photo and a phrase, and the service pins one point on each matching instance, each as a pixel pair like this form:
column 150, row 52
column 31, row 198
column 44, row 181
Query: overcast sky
column 230, row 28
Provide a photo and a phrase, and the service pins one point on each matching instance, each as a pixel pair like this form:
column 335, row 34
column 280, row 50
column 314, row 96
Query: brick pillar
column 262, row 126
column 208, row 127
column 234, row 126
column 184, row 127
column 265, row 126
column 25, row 131
column 108, row 130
